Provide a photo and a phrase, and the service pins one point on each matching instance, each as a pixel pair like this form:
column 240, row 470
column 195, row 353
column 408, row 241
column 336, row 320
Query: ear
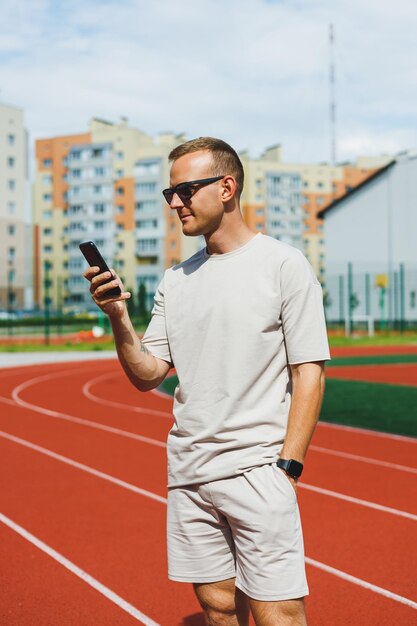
column 228, row 187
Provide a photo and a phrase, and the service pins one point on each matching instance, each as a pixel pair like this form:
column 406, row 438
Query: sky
column 252, row 72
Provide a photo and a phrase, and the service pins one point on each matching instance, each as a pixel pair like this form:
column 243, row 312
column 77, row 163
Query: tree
column 142, row 300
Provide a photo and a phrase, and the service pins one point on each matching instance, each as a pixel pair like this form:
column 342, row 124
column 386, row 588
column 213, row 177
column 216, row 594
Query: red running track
column 82, row 525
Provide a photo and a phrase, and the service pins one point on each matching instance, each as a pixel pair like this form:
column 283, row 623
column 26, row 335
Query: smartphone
column 93, row 256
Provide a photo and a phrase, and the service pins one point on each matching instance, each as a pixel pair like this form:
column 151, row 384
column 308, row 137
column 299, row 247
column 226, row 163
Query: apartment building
column 15, row 227
column 284, row 199
column 103, row 185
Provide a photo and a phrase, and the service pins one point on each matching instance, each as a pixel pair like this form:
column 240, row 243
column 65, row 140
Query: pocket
column 285, row 481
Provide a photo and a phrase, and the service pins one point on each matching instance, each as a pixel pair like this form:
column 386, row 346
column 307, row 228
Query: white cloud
column 250, row 71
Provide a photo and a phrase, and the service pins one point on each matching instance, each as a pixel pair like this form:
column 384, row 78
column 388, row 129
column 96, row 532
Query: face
column 203, row 212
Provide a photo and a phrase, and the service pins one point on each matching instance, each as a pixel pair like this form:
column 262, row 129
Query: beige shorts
column 247, row 527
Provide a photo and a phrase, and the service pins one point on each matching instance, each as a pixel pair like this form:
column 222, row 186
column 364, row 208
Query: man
column 242, row 321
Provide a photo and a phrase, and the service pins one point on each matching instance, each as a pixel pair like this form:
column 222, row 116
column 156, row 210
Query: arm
column 307, row 396
column 144, row 370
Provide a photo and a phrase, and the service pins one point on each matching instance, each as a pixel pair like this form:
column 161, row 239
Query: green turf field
column 389, row 408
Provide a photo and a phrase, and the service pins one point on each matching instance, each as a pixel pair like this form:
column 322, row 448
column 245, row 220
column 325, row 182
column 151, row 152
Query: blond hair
column 225, row 159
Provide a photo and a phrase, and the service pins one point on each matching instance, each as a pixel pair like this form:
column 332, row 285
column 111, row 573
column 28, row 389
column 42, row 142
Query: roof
column 382, row 170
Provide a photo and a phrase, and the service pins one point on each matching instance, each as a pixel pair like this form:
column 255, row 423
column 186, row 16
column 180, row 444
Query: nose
column 176, row 202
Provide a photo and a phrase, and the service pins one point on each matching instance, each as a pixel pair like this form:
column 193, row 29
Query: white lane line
column 83, row 422
column 155, row 442
column 130, row 487
column 117, row 405
column 360, row 431
column 364, row 459
column 85, row 577
column 71, row 418
column 84, row 468
column 368, row 432
column 361, row 583
column 149, row 494
column 365, row 503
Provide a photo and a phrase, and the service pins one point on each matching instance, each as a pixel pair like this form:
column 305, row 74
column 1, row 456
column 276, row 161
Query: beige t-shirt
column 231, row 324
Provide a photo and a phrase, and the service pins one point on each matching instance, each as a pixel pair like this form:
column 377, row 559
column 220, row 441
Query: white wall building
column 371, row 239
column 15, row 219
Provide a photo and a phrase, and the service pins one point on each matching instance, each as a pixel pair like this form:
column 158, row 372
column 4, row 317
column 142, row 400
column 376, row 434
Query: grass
column 390, row 338
column 388, row 408
column 384, row 359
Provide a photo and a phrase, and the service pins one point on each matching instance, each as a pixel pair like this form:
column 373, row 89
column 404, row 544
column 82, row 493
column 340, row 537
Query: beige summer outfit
column 231, row 324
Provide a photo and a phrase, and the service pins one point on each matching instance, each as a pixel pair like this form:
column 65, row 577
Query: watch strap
column 291, row 467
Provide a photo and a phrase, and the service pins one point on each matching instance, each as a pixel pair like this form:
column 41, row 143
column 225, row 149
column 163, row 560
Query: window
column 320, row 200
column 320, row 185
column 97, row 153
column 119, row 173
column 120, row 209
column 119, row 156
column 11, row 253
column 97, row 189
column 47, row 232
column 47, row 197
column 11, row 208
column 147, row 245
column 47, row 249
column 120, row 227
column 99, row 207
column 259, row 211
column 145, row 188
column 47, row 179
column 10, row 139
column 149, row 224
column 75, row 173
column 11, row 184
column 99, row 225
column 11, row 229
column 76, row 155
column 173, row 244
column 149, row 205
column 11, row 161
column 99, row 171
column 259, row 226
column 47, row 162
column 120, row 191
column 120, row 245
column 149, row 168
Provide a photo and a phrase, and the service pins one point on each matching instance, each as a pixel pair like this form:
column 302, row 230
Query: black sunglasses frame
column 185, row 190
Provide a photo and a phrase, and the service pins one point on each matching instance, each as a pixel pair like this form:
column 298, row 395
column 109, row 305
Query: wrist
column 292, row 467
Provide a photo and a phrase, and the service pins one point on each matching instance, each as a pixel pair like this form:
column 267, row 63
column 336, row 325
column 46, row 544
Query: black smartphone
column 93, row 256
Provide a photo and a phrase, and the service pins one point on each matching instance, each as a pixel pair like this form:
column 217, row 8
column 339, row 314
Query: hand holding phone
column 106, row 297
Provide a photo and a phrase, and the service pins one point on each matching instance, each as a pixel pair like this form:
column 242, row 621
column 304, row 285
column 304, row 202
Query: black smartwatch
column 291, row 467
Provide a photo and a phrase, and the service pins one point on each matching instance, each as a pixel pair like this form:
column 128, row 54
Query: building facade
column 299, row 193
column 104, row 185
column 371, row 234
column 15, row 219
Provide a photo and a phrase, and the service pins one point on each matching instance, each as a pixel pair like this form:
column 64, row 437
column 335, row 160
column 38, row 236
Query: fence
column 387, row 299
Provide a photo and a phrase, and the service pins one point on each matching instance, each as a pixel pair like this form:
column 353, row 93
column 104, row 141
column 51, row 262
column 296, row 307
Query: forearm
column 307, row 396
column 143, row 369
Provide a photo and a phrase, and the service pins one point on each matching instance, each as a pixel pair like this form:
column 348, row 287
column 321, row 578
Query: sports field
column 83, row 471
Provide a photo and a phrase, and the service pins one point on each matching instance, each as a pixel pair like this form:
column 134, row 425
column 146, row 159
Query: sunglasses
column 185, row 190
